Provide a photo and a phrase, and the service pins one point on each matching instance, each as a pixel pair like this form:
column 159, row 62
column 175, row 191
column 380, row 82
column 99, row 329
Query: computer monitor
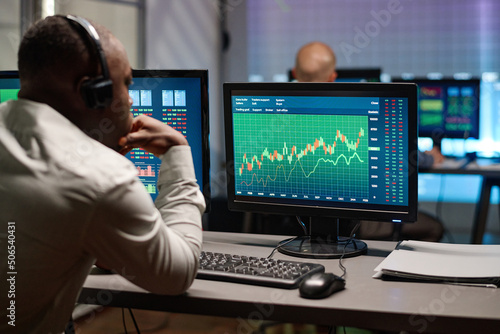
column 340, row 150
column 178, row 98
column 447, row 108
column 351, row 75
column 358, row 74
column 9, row 85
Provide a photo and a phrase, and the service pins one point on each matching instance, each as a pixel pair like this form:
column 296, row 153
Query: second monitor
column 340, row 150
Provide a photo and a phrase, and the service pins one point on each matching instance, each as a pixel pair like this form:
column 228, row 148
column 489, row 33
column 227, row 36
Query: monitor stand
column 323, row 242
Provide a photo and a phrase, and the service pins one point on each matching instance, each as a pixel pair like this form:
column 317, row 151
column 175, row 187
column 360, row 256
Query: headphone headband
column 96, row 92
column 94, row 36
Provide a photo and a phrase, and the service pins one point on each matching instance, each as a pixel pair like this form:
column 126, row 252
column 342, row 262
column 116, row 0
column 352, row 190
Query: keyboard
column 254, row 270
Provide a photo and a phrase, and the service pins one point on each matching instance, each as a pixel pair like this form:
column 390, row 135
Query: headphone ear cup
column 97, row 93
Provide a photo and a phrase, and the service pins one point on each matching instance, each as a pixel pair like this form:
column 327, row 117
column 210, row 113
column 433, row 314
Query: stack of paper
column 442, row 262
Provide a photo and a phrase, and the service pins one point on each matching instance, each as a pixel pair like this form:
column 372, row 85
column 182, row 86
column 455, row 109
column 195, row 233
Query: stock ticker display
column 448, row 108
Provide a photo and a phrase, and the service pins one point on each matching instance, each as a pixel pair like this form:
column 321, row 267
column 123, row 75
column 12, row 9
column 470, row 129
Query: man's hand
column 437, row 155
column 151, row 135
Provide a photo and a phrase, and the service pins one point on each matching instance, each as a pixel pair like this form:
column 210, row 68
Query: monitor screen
column 448, row 108
column 358, row 74
column 343, row 150
column 178, row 98
column 9, row 85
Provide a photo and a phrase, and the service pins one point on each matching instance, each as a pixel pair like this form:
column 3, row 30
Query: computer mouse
column 321, row 285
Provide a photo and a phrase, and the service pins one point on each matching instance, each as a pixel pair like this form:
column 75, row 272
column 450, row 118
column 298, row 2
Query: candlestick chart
column 303, row 156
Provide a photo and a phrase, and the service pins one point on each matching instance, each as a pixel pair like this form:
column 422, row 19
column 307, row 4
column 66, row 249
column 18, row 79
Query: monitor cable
column 304, row 228
column 133, row 319
column 280, row 245
column 301, row 223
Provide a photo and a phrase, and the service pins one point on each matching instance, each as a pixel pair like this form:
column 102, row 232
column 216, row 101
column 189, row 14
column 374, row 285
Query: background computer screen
column 9, row 85
column 340, row 150
column 358, row 74
column 448, row 108
column 351, row 75
column 178, row 98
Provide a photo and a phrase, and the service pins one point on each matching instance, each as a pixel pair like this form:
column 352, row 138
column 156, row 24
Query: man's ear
column 294, row 75
column 79, row 88
column 333, row 76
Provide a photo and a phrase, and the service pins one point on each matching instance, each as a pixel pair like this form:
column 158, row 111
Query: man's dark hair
column 54, row 44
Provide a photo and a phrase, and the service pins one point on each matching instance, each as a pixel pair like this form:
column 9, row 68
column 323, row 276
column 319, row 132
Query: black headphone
column 97, row 92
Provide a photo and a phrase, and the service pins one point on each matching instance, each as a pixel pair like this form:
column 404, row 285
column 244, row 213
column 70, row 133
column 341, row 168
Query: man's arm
column 156, row 249
column 152, row 136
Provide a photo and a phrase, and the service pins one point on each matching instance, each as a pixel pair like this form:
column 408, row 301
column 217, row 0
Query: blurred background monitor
column 448, row 108
column 358, row 74
column 352, row 75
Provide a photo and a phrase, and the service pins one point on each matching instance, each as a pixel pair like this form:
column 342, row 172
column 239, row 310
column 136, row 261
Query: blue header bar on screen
column 289, row 103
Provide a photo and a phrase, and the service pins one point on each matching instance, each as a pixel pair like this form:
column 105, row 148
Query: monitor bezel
column 201, row 74
column 9, row 74
column 437, row 134
column 387, row 213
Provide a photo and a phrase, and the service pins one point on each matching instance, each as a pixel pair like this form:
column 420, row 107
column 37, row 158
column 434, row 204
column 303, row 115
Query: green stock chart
column 323, row 157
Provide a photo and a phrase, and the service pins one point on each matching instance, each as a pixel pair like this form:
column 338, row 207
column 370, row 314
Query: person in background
column 430, row 158
column 315, row 62
column 68, row 196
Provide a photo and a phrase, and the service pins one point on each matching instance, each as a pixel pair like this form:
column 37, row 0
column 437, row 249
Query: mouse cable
column 349, row 240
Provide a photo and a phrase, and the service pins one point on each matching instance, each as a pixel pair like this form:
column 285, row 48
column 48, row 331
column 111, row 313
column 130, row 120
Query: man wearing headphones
column 68, row 197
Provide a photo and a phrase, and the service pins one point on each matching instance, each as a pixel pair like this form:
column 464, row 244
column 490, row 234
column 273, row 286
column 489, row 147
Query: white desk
column 365, row 303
